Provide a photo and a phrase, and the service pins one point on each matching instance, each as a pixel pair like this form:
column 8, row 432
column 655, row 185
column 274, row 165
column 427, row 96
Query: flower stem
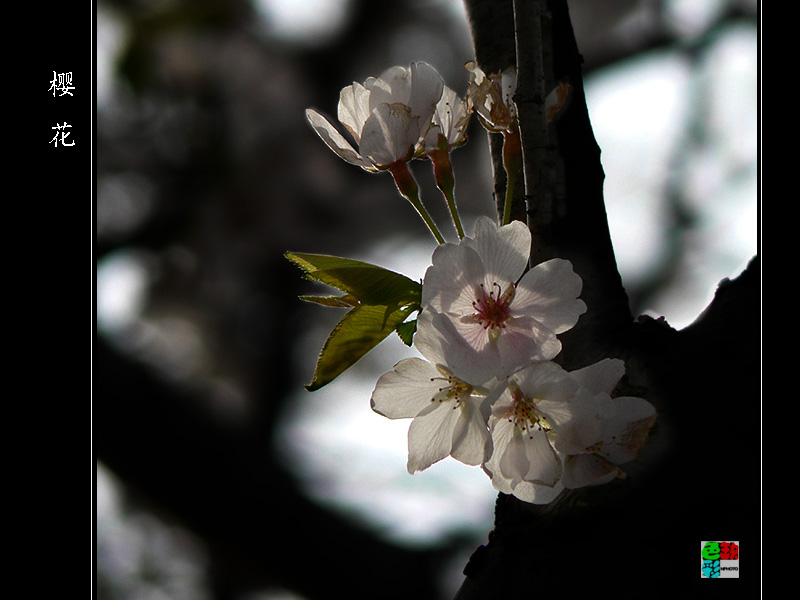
column 445, row 181
column 512, row 162
column 409, row 189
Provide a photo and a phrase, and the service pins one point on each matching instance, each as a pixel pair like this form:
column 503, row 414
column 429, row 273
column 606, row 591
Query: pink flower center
column 492, row 310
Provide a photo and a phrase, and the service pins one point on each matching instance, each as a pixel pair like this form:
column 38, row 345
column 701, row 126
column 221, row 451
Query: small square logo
column 719, row 560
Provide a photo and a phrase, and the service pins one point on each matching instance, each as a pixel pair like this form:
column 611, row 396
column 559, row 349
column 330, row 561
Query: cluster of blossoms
column 487, row 391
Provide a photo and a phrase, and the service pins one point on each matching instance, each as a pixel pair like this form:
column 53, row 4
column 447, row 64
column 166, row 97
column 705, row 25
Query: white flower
column 542, row 414
column 482, row 315
column 449, row 408
column 552, row 429
column 449, row 412
column 624, row 428
column 448, row 131
column 450, row 121
column 387, row 116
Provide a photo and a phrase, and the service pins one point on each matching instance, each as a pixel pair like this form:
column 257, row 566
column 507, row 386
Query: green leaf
column 406, row 331
column 346, row 301
column 368, row 283
column 359, row 331
column 380, row 301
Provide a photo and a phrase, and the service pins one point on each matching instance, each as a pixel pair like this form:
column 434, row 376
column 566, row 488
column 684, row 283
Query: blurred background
column 218, row 476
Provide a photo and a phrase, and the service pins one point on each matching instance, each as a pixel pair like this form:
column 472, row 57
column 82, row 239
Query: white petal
column 587, row 469
column 630, row 409
column 493, row 389
column 502, row 431
column 407, row 390
column 452, row 117
column 428, row 338
column 431, row 139
column 602, row 376
column 426, row 90
column 537, row 493
column 430, row 436
column 577, row 421
column 627, row 431
column 393, row 85
column 491, row 468
column 389, row 134
column 500, row 483
column 335, row 140
column 528, row 456
column 521, row 455
column 549, row 293
column 450, row 121
column 545, row 465
column 444, row 115
column 450, row 284
column 471, row 440
column 546, row 380
column 524, row 340
column 354, row 109
column 469, row 329
column 504, row 251
column 438, row 340
column 514, row 463
column 502, row 404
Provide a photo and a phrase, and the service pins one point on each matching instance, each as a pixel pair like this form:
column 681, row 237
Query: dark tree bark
column 698, row 476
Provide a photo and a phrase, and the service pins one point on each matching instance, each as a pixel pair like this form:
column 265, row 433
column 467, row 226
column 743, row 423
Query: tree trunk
column 639, row 535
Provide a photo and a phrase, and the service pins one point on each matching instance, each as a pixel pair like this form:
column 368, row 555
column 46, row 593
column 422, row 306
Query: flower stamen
column 454, row 388
column 524, row 414
column 492, row 310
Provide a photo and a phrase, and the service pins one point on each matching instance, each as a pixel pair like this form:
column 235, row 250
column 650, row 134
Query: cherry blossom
column 449, row 413
column 483, row 315
column 387, row 116
column 624, row 428
column 449, row 124
column 448, row 131
column 542, row 414
column 554, row 430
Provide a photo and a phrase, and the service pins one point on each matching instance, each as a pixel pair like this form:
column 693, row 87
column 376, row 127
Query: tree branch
column 537, row 149
column 625, row 537
column 577, row 227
